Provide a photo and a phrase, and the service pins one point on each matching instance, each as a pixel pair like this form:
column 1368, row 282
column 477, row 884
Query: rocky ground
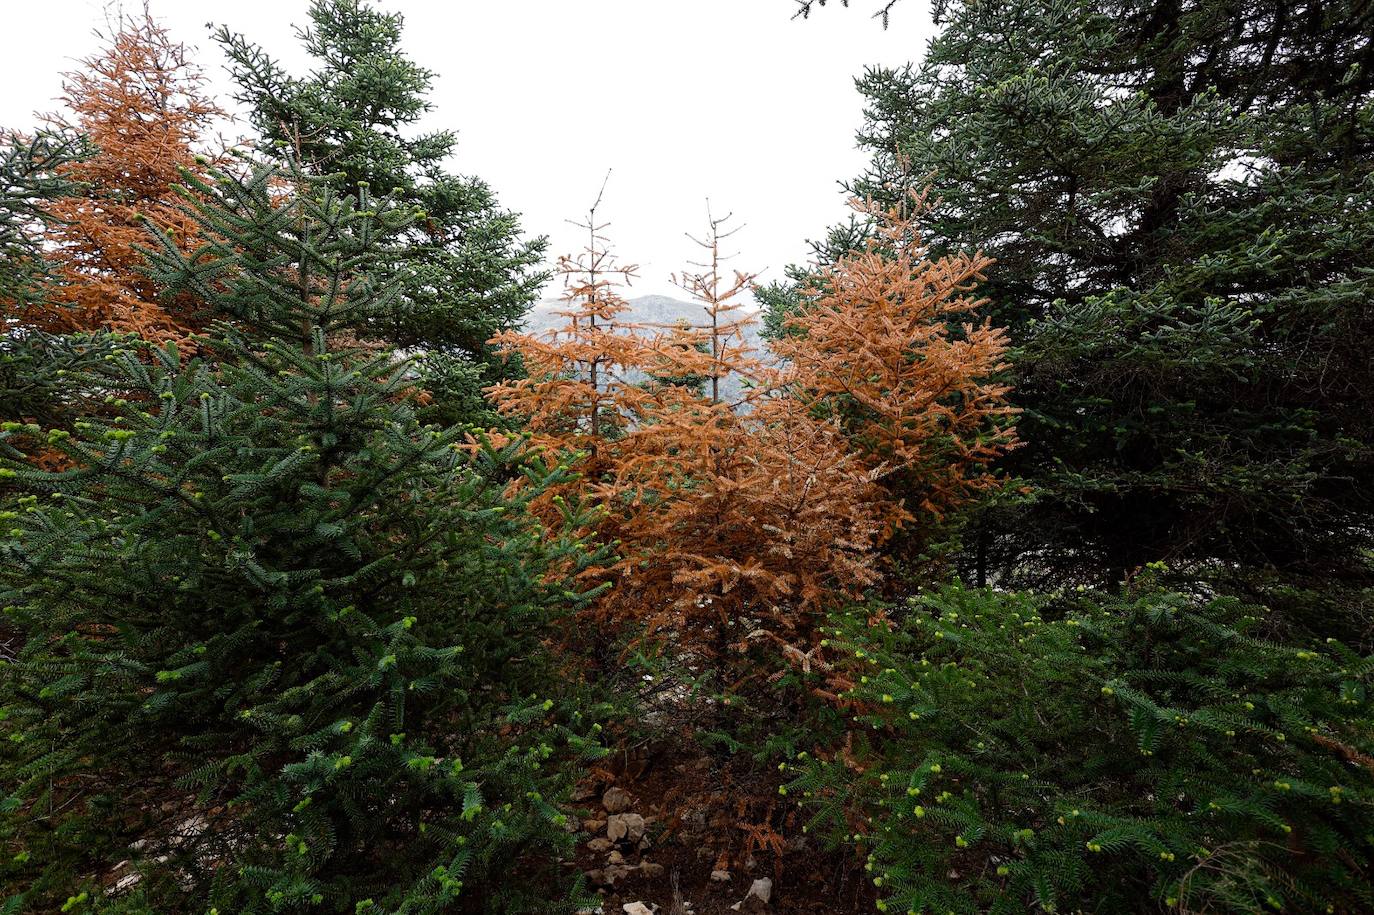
column 662, row 835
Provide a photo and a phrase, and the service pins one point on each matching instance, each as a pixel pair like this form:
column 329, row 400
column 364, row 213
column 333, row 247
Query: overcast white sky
column 683, row 99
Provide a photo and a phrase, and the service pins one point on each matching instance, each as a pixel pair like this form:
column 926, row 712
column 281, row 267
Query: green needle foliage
column 463, row 272
column 28, row 179
column 1112, row 755
column 282, row 643
column 30, row 385
column 1179, row 197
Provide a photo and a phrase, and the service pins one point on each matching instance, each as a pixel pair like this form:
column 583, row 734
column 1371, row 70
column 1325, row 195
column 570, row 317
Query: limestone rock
column 607, row 876
column 616, row 800
column 628, row 826
column 756, row 900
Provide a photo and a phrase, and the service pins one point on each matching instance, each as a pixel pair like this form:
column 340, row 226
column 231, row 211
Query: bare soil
column 708, row 815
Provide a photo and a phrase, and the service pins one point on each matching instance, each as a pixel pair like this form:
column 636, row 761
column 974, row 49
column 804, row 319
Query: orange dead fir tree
column 888, row 345
column 743, row 528
column 740, row 520
column 580, row 392
column 140, row 102
column 736, row 519
column 721, row 338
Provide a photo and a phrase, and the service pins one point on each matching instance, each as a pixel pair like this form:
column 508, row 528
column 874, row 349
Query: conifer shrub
column 1009, row 753
column 283, row 645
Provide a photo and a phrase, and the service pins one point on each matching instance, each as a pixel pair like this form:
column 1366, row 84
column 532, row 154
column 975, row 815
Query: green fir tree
column 282, row 645
column 1010, row 753
column 1179, row 195
column 462, row 268
column 35, row 367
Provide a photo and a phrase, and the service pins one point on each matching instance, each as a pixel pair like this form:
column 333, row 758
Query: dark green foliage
column 1180, row 200
column 37, row 372
column 33, row 366
column 1099, row 754
column 28, row 179
column 282, row 643
column 463, row 272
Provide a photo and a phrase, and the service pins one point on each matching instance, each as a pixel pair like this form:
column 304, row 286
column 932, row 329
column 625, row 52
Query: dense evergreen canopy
column 464, row 271
column 1178, row 199
column 268, row 617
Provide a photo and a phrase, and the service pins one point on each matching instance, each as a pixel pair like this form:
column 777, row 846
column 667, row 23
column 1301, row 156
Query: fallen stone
column 628, row 826
column 719, row 876
column 600, row 845
column 650, row 869
column 756, row 900
column 615, row 857
column 637, row 908
column 594, row 825
column 607, row 876
column 616, row 800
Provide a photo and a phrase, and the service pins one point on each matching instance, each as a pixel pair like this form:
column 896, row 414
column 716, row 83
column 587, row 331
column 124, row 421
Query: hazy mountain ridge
column 659, row 310
column 646, row 309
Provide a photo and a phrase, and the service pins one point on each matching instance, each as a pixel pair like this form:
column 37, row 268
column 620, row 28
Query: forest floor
column 666, row 828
